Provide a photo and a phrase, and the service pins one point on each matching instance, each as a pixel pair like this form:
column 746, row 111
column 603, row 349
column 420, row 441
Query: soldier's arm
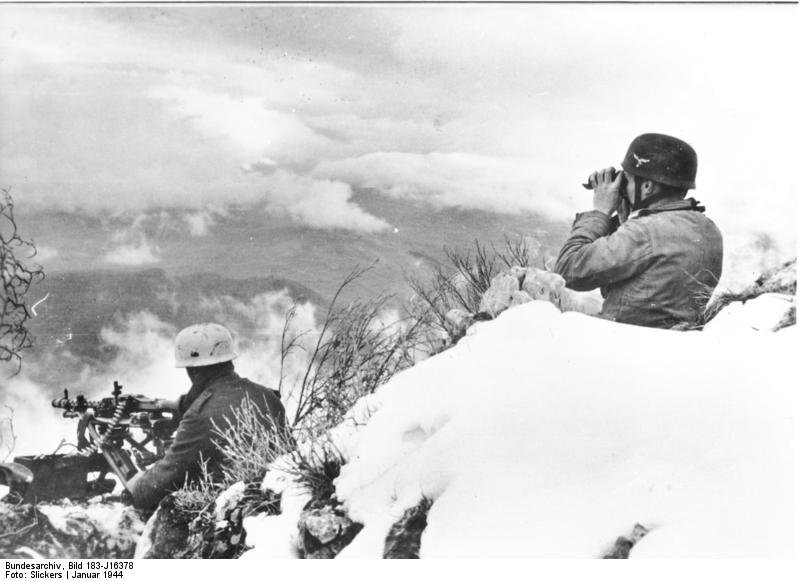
column 167, row 474
column 596, row 254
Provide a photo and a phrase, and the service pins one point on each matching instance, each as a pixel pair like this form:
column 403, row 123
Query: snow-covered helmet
column 662, row 159
column 203, row 344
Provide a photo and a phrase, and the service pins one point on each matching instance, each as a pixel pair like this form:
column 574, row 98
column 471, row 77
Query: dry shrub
column 316, row 466
column 196, row 496
column 356, row 351
column 463, row 281
column 249, row 441
column 16, row 277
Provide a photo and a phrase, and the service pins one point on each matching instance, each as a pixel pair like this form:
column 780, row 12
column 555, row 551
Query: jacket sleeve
column 192, row 437
column 594, row 256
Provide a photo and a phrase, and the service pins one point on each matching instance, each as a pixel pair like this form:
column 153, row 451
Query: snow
column 762, row 313
column 227, row 500
column 549, row 434
column 145, row 542
column 276, row 537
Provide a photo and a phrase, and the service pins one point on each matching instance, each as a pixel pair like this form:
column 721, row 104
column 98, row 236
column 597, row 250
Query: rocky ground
column 98, row 528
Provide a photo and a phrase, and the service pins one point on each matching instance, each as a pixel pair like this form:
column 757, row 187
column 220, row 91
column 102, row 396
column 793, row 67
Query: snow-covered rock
column 166, row 534
column 519, row 298
column 498, row 297
column 325, row 531
column 520, row 285
column 403, row 540
column 277, row 536
column 322, row 523
column 544, row 286
column 544, row 434
column 228, row 500
column 457, row 321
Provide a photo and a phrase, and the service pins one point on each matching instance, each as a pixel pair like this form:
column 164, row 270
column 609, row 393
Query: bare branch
column 16, row 277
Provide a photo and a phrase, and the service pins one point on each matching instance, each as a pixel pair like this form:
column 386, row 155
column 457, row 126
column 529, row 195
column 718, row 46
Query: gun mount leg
column 118, row 459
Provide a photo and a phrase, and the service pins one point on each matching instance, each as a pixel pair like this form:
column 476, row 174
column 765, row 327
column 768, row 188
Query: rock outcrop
column 98, row 529
column 178, row 531
column 403, row 541
column 325, row 531
column 517, row 286
column 520, row 285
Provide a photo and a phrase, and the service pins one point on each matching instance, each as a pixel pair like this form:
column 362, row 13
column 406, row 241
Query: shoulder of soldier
column 232, row 391
column 201, row 402
column 635, row 226
column 256, row 389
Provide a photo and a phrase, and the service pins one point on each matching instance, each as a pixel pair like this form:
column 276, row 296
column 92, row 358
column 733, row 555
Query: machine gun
column 105, row 442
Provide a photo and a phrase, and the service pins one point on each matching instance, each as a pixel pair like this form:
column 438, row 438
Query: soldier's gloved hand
column 167, row 404
column 126, row 497
column 606, row 184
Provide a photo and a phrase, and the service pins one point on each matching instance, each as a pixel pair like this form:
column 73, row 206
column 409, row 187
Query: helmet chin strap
column 637, row 194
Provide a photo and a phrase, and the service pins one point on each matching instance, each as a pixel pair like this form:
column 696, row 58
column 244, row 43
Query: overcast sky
column 285, row 109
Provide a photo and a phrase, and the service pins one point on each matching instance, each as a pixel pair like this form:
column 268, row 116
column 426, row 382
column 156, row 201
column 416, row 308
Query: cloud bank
column 286, row 110
column 458, row 180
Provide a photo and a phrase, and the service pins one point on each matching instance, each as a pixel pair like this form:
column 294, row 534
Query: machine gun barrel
column 79, row 404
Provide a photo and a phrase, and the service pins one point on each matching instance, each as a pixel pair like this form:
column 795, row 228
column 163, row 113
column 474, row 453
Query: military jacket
column 657, row 269
column 207, row 404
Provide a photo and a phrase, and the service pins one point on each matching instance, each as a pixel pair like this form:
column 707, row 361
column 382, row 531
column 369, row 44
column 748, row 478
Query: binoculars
column 614, row 176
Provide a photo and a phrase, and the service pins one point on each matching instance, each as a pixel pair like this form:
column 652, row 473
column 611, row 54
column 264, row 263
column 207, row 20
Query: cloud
column 460, row 180
column 200, row 223
column 45, row 253
column 264, row 166
column 133, row 248
column 139, row 127
column 319, row 203
column 133, row 254
column 247, row 123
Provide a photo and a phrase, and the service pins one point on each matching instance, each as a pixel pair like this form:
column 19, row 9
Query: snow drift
column 549, row 434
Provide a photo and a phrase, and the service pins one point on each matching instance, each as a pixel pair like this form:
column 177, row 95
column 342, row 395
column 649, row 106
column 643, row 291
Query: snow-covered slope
column 544, row 434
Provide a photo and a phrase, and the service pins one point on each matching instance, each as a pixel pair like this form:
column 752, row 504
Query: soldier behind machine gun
column 160, row 462
column 206, row 352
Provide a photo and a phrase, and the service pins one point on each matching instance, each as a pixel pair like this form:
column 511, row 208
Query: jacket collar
column 201, row 384
column 669, row 205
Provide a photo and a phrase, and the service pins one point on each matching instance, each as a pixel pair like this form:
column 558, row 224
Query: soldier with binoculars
column 651, row 250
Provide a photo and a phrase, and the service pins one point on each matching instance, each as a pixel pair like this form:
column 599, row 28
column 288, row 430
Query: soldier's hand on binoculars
column 606, row 184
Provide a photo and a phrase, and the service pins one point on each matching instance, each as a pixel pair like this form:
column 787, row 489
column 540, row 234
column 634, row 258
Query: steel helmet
column 662, row 159
column 203, row 344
